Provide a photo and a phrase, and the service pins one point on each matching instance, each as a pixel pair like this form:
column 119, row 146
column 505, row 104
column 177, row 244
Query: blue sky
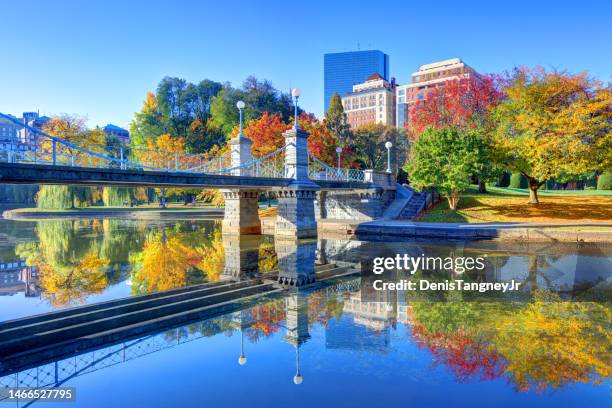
column 99, row 58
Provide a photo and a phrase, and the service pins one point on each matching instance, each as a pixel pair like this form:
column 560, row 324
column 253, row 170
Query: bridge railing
column 318, row 170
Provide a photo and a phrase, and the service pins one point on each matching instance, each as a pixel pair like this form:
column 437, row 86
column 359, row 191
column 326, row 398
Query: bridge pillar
column 296, row 213
column 241, row 215
column 296, row 261
column 240, row 153
column 241, row 206
column 241, row 256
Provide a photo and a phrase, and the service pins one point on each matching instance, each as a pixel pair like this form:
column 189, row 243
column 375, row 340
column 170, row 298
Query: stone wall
column 362, row 205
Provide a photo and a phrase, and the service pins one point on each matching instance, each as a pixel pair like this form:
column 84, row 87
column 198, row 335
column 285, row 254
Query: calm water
column 547, row 345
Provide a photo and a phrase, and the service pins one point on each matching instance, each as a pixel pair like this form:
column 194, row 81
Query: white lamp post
column 388, row 146
column 296, row 94
column 240, row 106
column 339, row 151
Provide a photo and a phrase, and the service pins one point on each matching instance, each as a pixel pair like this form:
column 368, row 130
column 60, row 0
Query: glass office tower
column 342, row 70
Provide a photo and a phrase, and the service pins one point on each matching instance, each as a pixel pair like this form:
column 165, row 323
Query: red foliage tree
column 266, row 133
column 462, row 102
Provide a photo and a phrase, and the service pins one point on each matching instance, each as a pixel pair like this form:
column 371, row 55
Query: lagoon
column 335, row 344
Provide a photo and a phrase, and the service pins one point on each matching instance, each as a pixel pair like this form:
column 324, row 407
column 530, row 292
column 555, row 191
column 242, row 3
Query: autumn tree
column 266, row 133
column 446, row 159
column 553, row 124
column 460, row 103
column 72, row 129
column 322, row 142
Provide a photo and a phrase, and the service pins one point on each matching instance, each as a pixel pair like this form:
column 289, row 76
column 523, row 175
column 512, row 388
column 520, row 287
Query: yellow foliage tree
column 553, row 124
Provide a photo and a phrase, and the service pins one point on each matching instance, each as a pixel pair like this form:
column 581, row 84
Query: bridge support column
column 241, row 206
column 296, row 212
column 240, row 151
column 241, row 216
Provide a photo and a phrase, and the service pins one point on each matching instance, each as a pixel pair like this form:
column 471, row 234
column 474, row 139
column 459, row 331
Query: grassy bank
column 510, row 205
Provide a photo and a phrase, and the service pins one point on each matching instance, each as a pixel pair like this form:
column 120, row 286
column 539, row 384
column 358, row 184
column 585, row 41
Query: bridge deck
column 22, row 173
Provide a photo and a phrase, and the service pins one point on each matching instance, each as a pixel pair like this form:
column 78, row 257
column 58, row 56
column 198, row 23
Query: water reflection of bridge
column 294, row 309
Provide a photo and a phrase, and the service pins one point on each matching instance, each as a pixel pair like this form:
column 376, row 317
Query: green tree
column 147, row 124
column 553, row 124
column 446, row 159
column 258, row 96
column 336, row 120
column 368, row 145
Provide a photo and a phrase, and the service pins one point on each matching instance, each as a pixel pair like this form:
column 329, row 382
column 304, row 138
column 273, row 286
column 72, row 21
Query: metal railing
column 318, row 170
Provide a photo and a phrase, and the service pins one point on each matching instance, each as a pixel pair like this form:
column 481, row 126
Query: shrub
column 604, row 182
column 517, row 180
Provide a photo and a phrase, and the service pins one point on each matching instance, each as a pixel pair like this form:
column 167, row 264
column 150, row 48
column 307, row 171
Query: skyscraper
column 344, row 69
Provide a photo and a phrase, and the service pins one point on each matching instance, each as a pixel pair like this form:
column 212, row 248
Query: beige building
column 425, row 80
column 372, row 101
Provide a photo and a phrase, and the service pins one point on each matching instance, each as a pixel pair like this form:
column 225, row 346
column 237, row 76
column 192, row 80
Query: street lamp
column 296, row 94
column 240, row 106
column 388, row 146
column 339, row 151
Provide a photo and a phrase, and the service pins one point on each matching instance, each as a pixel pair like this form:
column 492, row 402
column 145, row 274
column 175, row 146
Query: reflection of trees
column 70, row 264
column 544, row 343
column 551, row 343
column 73, row 285
column 176, row 257
column 165, row 262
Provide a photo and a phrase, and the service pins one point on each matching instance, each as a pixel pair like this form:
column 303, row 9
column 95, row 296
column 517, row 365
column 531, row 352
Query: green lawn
column 510, row 205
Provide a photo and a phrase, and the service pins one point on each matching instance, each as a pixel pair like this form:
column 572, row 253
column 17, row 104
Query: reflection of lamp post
column 296, row 94
column 297, row 378
column 388, row 146
column 242, row 360
column 339, row 151
column 240, row 106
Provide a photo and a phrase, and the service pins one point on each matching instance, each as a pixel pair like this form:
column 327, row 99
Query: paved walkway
column 529, row 231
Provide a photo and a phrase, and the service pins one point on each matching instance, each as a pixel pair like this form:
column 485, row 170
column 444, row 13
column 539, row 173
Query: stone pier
column 241, row 205
column 296, row 212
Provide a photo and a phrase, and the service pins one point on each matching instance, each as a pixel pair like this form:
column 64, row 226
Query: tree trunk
column 453, row 200
column 533, row 191
column 482, row 187
column 163, row 198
